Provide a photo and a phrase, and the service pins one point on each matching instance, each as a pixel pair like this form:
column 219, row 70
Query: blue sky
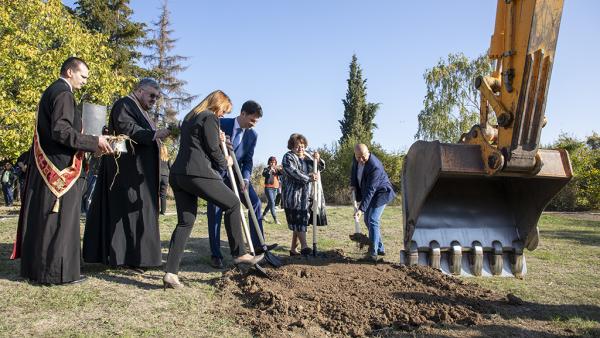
column 293, row 56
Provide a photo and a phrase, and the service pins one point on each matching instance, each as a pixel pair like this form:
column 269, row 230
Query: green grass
column 563, row 275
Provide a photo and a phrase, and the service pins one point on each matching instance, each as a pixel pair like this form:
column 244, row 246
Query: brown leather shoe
column 216, row 262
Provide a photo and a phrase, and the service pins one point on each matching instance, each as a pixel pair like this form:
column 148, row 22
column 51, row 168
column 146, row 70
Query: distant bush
column 583, row 192
column 338, row 167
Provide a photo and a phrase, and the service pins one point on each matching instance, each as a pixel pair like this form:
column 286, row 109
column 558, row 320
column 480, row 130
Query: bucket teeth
column 435, row 255
column 455, row 258
column 516, row 261
column 476, row 258
column 496, row 259
column 413, row 255
column 476, row 254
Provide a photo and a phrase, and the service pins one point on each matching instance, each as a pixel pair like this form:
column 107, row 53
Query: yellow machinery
column 471, row 208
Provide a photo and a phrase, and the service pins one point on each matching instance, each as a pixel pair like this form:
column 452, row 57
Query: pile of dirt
column 335, row 295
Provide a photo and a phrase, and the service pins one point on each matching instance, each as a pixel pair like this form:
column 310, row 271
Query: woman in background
column 271, row 174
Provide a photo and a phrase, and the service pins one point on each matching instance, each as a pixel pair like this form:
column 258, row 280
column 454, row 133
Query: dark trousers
column 214, row 213
column 164, row 185
column 187, row 189
column 271, row 193
column 89, row 192
column 7, row 189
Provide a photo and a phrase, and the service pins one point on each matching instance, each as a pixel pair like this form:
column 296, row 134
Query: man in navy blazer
column 373, row 190
column 243, row 138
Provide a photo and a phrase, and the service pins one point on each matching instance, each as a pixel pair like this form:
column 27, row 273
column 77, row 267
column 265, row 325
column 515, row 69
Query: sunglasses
column 152, row 95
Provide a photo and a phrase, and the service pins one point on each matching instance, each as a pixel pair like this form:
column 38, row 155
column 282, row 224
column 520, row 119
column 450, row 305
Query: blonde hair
column 164, row 152
column 216, row 102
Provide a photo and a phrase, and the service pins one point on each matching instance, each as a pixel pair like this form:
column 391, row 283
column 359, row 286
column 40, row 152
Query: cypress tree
column 357, row 124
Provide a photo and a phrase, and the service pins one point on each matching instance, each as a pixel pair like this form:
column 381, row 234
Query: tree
column 593, row 141
column 357, row 124
column 451, row 104
column 113, row 18
column 35, row 38
column 583, row 191
column 165, row 67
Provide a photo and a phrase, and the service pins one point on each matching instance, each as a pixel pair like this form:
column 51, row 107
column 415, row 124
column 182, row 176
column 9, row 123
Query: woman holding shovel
column 296, row 193
column 192, row 176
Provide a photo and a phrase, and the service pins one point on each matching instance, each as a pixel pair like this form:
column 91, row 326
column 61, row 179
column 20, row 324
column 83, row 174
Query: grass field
column 563, row 278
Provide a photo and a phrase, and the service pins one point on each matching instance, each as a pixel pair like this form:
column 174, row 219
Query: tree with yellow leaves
column 35, row 38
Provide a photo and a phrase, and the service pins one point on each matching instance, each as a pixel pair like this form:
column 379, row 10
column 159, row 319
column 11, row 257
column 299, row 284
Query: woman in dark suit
column 195, row 173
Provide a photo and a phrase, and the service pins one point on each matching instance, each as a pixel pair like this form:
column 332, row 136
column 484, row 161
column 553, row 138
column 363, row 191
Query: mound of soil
column 334, row 295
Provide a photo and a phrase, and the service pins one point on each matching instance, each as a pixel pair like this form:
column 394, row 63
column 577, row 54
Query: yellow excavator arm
column 471, row 208
column 523, row 46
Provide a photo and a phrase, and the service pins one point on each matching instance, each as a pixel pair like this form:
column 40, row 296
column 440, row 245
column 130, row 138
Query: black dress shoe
column 270, row 247
column 306, row 252
column 380, row 253
column 216, row 262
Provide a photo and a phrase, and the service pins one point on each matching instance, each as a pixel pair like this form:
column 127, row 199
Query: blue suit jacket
column 375, row 189
column 245, row 150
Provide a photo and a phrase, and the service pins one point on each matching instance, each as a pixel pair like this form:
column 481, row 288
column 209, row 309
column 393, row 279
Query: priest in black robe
column 122, row 223
column 48, row 237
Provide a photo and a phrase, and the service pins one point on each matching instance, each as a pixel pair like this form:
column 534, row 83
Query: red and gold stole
column 58, row 181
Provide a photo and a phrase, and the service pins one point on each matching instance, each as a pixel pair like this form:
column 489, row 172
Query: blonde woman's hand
column 221, row 136
column 229, row 161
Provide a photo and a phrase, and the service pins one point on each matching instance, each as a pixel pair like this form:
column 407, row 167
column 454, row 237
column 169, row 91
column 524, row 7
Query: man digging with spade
column 373, row 190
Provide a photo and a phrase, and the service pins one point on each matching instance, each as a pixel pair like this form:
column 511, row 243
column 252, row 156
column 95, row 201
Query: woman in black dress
column 195, row 173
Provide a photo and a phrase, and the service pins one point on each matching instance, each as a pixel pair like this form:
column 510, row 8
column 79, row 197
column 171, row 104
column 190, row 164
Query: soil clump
column 334, row 295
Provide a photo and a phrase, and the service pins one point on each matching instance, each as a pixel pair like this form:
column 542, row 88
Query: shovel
column 316, row 203
column 361, row 239
column 269, row 257
column 260, row 270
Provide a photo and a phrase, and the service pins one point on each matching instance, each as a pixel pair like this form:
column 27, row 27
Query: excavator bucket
column 461, row 220
column 472, row 208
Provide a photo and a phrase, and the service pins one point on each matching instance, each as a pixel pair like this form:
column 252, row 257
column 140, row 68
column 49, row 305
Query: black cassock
column 48, row 242
column 122, row 223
